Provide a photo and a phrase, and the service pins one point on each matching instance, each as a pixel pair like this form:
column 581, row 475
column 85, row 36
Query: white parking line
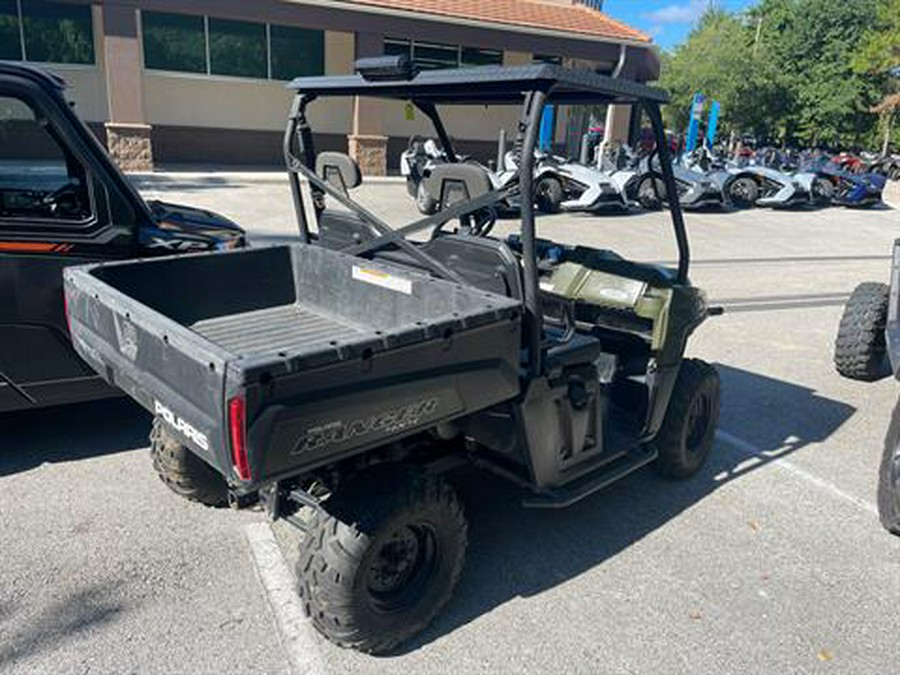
column 792, row 468
column 300, row 640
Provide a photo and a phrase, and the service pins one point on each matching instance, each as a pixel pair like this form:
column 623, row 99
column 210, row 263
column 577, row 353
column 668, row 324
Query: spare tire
column 860, row 350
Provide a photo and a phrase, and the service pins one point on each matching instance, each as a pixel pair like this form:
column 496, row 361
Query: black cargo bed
column 273, row 329
column 334, row 354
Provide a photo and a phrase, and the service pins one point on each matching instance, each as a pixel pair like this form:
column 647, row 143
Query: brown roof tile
column 528, row 13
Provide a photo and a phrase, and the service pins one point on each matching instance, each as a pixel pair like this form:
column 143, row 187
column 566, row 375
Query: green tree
column 720, row 60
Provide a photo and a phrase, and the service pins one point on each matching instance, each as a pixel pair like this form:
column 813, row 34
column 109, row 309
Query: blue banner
column 694, row 126
column 712, row 125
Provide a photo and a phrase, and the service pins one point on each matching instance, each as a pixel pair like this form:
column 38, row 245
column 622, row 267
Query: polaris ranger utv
column 339, row 379
column 63, row 202
column 867, row 348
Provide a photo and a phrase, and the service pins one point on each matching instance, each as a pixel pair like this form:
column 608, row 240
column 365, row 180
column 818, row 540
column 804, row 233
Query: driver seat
column 337, row 228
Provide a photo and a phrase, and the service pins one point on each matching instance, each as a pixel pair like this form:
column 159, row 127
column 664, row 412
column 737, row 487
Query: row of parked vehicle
column 625, row 178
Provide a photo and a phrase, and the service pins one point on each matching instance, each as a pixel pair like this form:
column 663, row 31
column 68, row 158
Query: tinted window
column 10, row 45
column 429, row 55
column 57, row 33
column 472, row 56
column 39, row 178
column 397, row 46
column 296, row 52
column 237, row 48
column 174, row 42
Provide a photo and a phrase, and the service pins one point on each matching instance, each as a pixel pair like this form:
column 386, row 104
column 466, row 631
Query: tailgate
column 167, row 368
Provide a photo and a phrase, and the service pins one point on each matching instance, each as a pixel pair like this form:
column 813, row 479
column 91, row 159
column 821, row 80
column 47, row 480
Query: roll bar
column 302, row 162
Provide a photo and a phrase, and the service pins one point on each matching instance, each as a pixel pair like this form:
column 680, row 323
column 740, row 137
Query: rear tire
column 743, row 192
column 381, row 558
column 183, row 472
column 426, row 204
column 686, row 437
column 548, row 194
column 889, row 477
column 860, row 351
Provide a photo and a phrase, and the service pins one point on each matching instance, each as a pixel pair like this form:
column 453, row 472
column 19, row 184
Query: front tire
column 548, row 194
column 381, row 558
column 860, row 350
column 822, row 191
column 743, row 192
column 686, row 436
column 889, row 477
column 183, row 472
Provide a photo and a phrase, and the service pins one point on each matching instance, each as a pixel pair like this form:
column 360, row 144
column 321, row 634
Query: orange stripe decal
column 32, row 247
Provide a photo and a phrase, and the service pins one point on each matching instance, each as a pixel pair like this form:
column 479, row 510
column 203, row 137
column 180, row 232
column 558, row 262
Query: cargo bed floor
column 274, row 329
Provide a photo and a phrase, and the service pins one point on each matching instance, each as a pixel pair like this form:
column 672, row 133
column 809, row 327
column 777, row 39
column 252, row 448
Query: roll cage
column 532, row 87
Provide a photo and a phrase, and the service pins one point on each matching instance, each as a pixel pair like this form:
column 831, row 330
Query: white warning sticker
column 383, row 279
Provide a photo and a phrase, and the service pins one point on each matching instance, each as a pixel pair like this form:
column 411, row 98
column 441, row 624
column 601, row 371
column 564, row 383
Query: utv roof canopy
column 481, row 85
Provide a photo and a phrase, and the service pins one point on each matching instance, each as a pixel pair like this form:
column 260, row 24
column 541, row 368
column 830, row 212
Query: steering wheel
column 476, row 224
column 65, row 201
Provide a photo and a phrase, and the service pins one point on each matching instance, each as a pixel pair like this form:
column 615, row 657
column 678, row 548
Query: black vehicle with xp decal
column 63, row 202
column 362, row 365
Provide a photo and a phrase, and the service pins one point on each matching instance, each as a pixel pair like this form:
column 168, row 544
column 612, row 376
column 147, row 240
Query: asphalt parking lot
column 771, row 560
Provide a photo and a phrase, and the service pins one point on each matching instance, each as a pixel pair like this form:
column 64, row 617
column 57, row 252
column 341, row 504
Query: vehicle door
column 54, row 211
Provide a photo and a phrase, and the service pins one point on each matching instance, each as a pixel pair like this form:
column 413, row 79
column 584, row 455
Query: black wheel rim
column 647, row 194
column 697, row 425
column 402, row 568
column 741, row 190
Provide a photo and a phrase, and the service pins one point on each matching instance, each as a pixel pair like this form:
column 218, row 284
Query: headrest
column 339, row 169
column 453, row 183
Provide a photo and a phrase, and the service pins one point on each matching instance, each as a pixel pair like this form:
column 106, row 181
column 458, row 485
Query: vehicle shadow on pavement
column 516, row 552
column 72, row 432
column 64, row 620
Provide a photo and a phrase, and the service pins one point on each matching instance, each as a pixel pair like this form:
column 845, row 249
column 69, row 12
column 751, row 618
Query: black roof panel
column 33, row 73
column 487, row 84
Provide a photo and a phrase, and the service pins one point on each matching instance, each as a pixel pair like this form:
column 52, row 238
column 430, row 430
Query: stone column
column 128, row 136
column 367, row 144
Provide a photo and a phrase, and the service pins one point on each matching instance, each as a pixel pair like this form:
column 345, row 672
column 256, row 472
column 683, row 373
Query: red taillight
column 66, row 312
column 237, row 427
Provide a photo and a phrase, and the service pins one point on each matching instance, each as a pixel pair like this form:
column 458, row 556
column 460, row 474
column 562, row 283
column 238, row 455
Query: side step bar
column 590, row 483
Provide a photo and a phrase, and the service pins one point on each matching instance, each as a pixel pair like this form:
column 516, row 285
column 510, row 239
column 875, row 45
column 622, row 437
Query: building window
column 432, row 55
column 174, row 42
column 237, row 48
column 296, row 52
column 198, row 44
column 54, row 32
column 546, row 58
column 10, row 45
column 473, row 56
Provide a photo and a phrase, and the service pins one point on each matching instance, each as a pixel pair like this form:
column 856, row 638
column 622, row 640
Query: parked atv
column 360, row 367
column 867, row 348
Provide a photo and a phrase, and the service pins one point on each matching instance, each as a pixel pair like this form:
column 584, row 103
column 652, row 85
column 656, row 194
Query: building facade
column 203, row 81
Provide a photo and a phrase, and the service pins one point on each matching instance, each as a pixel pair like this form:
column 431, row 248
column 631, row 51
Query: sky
column 666, row 21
